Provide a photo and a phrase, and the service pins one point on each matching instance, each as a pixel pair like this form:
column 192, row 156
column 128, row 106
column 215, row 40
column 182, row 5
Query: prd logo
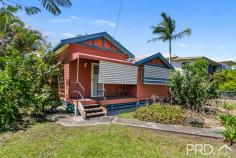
column 205, row 149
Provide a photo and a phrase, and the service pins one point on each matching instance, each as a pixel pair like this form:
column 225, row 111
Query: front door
column 95, row 86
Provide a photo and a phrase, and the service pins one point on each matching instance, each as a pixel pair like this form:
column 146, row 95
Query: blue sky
column 212, row 23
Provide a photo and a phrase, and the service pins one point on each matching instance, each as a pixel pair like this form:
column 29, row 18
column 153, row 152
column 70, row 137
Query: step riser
column 91, row 107
column 93, row 111
column 97, row 115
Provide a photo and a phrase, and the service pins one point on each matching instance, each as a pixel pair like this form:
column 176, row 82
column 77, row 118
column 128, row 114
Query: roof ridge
column 84, row 36
column 142, row 61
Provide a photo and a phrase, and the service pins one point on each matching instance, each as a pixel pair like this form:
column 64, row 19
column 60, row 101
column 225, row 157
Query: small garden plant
column 161, row 114
column 227, row 106
column 229, row 133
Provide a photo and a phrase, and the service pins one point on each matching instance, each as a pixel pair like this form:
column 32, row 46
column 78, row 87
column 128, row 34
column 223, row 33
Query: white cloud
column 69, row 35
column 183, row 45
column 60, row 20
column 194, row 45
column 105, row 22
column 100, row 22
column 197, row 45
column 75, row 17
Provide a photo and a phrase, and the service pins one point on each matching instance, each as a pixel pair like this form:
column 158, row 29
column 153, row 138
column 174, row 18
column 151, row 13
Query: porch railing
column 103, row 94
column 78, row 88
column 79, row 95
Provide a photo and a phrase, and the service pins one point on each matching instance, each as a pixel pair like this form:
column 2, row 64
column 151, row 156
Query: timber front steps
column 94, row 110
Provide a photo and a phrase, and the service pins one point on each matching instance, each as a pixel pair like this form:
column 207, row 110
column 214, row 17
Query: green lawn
column 53, row 140
column 127, row 113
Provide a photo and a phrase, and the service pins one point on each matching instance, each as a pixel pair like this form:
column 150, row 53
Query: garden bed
column 167, row 114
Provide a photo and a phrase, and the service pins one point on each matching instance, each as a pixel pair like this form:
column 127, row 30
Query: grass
column 233, row 104
column 53, row 140
column 127, row 113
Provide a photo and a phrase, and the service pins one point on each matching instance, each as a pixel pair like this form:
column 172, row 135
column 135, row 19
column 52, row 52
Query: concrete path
column 206, row 132
column 77, row 121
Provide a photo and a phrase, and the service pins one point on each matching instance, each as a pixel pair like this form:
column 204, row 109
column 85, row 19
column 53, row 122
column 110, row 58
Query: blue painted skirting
column 124, row 105
column 71, row 107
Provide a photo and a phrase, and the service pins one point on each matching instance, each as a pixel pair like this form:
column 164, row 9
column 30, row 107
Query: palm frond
column 168, row 23
column 152, row 40
column 63, row 3
column 165, row 17
column 166, row 28
column 158, row 29
column 182, row 34
column 32, row 10
column 51, row 6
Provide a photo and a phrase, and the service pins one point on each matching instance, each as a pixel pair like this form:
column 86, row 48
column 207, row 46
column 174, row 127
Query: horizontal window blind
column 155, row 75
column 113, row 73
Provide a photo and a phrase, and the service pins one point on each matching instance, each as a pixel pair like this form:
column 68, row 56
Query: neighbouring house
column 99, row 74
column 227, row 65
column 179, row 62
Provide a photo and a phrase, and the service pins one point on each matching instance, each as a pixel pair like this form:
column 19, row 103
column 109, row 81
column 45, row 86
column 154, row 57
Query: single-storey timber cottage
column 99, row 72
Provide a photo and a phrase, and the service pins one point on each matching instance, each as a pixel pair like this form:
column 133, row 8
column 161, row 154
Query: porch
column 93, row 78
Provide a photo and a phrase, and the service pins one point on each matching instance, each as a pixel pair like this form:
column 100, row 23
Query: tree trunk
column 170, row 51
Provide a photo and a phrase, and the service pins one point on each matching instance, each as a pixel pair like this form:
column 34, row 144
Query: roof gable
column 154, row 56
column 92, row 37
column 102, row 43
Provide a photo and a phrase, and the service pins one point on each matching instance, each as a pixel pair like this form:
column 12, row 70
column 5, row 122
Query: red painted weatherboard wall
column 145, row 91
column 140, row 90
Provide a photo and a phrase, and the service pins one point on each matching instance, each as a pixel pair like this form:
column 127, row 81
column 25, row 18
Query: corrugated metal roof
column 194, row 58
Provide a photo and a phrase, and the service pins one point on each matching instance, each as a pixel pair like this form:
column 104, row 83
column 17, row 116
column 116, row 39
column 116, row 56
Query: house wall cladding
column 155, row 75
column 113, row 73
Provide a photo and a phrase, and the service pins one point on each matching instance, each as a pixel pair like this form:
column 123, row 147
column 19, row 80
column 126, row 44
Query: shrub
column 193, row 86
column 28, row 71
column 226, row 80
column 229, row 133
column 161, row 114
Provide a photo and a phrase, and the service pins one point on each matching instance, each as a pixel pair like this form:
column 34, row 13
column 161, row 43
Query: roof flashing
column 146, row 59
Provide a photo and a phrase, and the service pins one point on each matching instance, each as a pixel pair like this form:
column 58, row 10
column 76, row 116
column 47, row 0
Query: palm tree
column 8, row 27
column 53, row 6
column 165, row 31
column 14, row 34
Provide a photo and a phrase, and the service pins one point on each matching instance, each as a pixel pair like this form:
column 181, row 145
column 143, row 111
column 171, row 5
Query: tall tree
column 14, row 34
column 28, row 71
column 165, row 31
column 53, row 6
